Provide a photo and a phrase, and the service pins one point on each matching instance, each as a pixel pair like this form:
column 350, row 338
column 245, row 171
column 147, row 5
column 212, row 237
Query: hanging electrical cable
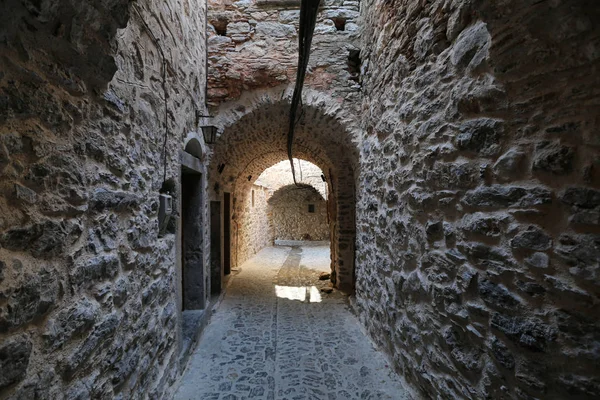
column 165, row 68
column 164, row 87
column 308, row 20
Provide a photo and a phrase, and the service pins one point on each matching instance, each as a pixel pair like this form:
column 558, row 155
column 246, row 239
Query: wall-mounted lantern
column 208, row 131
column 210, row 134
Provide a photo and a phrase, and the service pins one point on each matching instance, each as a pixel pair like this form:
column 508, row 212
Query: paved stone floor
column 275, row 336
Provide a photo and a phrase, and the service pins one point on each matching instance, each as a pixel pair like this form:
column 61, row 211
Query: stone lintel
column 189, row 161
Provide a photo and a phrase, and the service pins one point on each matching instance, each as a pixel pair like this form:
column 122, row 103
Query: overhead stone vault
column 459, row 141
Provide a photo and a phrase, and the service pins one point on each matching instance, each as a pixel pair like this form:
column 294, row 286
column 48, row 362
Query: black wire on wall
column 165, row 65
column 164, row 87
column 308, row 20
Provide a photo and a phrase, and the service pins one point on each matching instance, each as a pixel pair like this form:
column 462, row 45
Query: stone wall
column 478, row 183
column 289, row 214
column 254, row 45
column 89, row 303
column 478, row 240
column 252, row 231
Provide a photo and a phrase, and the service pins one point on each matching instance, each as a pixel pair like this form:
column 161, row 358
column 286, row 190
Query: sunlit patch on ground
column 309, row 294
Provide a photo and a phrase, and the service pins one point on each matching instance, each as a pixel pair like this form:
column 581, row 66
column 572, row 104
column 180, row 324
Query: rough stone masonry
column 88, row 299
column 481, row 154
column 459, row 139
column 477, row 247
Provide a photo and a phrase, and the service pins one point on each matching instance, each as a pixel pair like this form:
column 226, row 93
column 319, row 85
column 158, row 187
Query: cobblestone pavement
column 275, row 336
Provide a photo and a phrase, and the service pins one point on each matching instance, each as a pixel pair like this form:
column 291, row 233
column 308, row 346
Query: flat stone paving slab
column 276, row 336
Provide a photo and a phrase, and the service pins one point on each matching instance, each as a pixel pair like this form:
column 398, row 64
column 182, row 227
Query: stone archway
column 253, row 138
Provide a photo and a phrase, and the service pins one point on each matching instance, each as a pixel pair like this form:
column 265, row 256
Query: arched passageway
column 253, row 138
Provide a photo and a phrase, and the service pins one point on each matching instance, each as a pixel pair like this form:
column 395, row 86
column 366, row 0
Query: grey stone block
column 14, row 360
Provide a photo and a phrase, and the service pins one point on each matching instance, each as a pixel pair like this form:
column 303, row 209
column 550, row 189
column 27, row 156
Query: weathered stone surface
column 578, row 385
column 532, row 238
column 70, row 323
column 510, row 166
column 275, row 29
column 61, row 174
column 530, row 333
column 497, row 296
column 531, row 288
column 564, row 289
column 103, row 332
column 104, row 236
column 324, row 276
column 581, row 197
column 538, row 260
column 435, row 230
column 103, row 199
column 95, row 269
column 44, row 240
column 123, row 369
column 497, row 196
column 14, row 360
column 553, row 158
column 586, row 217
column 25, row 194
column 141, row 239
column 454, row 175
column 289, row 16
column 481, row 135
column 238, row 28
column 465, row 355
column 406, row 116
column 472, row 47
column 120, row 292
column 80, row 390
column 580, row 332
column 39, row 387
column 581, row 253
column 31, row 298
column 487, row 257
column 502, row 354
column 253, row 48
column 482, row 224
column 111, row 97
column 82, row 152
column 529, row 374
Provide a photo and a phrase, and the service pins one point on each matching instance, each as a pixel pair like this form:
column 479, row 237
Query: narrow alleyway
column 277, row 336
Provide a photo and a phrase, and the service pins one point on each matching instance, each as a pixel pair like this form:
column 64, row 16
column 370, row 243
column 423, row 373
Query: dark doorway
column 227, row 233
column 193, row 282
column 215, row 247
